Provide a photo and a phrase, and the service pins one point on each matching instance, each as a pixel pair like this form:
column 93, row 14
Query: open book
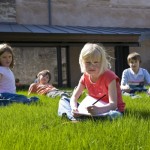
column 88, row 101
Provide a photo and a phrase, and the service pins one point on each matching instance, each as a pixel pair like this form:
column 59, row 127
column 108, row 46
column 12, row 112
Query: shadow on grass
column 90, row 118
column 143, row 114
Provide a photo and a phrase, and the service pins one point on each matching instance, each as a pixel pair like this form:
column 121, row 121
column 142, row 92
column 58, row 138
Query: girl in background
column 44, row 87
column 7, row 79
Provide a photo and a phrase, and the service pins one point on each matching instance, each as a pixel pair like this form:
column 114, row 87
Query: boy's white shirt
column 141, row 75
column 140, row 72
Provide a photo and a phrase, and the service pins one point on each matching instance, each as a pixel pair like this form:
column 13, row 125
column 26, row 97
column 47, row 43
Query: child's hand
column 93, row 110
column 148, row 91
column 127, row 89
column 75, row 112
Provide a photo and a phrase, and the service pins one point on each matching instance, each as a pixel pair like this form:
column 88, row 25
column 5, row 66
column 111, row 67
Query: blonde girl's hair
column 7, row 48
column 44, row 73
column 94, row 51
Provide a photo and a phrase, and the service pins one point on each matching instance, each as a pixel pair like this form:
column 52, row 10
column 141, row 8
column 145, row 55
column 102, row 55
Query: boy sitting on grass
column 43, row 86
column 134, row 78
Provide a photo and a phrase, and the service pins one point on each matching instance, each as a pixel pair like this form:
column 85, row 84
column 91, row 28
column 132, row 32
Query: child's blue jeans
column 64, row 108
column 7, row 98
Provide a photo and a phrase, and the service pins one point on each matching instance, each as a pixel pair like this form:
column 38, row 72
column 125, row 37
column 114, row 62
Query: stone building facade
column 103, row 13
column 7, row 11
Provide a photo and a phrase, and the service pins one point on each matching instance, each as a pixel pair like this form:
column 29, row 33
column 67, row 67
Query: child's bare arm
column 30, row 90
column 76, row 94
column 112, row 105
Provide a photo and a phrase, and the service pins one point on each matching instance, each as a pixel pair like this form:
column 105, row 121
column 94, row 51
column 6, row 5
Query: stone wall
column 32, row 12
column 104, row 13
column 7, row 11
column 31, row 60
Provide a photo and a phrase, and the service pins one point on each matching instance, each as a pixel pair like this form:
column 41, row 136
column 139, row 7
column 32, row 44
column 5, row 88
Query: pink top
column 40, row 88
column 100, row 88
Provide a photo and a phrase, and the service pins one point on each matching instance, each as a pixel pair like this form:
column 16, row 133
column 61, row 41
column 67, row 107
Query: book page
column 88, row 101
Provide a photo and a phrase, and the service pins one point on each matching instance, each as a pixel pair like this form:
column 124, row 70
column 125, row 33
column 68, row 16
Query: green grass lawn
column 37, row 127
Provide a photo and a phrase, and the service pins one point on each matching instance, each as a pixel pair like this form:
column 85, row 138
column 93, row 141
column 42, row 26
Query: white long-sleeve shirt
column 132, row 80
column 7, row 81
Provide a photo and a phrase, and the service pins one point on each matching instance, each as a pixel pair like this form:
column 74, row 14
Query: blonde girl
column 98, row 79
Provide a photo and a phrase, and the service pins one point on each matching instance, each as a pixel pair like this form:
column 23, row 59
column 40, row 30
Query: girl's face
column 6, row 59
column 44, row 79
column 92, row 68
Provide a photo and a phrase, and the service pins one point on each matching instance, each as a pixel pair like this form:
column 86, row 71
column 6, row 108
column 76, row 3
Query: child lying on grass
column 100, row 82
column 43, row 86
